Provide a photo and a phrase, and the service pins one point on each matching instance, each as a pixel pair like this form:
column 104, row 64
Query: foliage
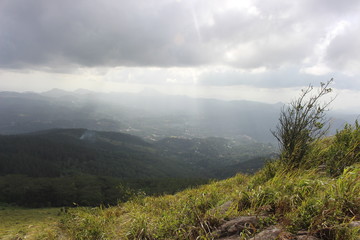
column 69, row 152
column 345, row 149
column 301, row 123
column 298, row 199
column 60, row 167
column 91, row 223
column 337, row 152
column 303, row 198
column 185, row 215
column 32, row 224
column 84, row 190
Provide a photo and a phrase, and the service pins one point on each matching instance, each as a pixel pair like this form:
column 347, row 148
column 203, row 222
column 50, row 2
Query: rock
column 222, row 209
column 271, row 233
column 306, row 237
column 231, row 230
column 234, row 237
column 354, row 224
column 302, row 232
column 237, row 225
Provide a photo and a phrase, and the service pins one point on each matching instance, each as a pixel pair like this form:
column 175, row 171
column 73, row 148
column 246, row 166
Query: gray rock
column 237, row 225
column 302, row 232
column 222, row 209
column 270, row 233
column 234, row 237
column 306, row 237
column 354, row 224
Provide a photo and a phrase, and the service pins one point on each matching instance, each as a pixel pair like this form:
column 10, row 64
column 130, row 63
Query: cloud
column 280, row 78
column 272, row 44
column 100, row 33
column 165, row 33
column 227, row 76
column 344, row 51
column 153, row 75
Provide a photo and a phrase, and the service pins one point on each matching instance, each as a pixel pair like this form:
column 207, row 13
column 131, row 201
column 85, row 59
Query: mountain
column 64, row 152
column 58, row 167
column 217, row 154
column 158, row 116
column 61, row 152
column 150, row 115
column 28, row 112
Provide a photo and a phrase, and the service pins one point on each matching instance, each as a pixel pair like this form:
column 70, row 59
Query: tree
column 302, row 122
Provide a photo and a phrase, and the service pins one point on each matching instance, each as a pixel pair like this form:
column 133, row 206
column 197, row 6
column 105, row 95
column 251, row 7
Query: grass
column 320, row 201
column 298, row 200
column 21, row 223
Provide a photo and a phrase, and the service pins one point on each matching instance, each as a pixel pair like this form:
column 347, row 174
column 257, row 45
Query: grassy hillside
column 16, row 223
column 319, row 199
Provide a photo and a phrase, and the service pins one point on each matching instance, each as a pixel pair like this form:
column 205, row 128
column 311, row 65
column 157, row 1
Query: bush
column 345, row 149
column 300, row 123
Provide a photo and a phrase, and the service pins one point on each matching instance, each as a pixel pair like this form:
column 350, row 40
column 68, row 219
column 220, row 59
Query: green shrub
column 345, row 150
column 301, row 123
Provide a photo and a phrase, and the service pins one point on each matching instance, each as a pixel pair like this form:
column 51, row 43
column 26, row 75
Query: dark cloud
column 95, row 33
column 64, row 34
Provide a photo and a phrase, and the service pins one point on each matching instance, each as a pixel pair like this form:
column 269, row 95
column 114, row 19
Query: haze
column 254, row 50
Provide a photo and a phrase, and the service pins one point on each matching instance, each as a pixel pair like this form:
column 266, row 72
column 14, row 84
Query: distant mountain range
column 150, row 115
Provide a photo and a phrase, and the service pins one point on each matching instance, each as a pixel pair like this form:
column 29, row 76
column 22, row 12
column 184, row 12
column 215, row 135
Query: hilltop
column 318, row 200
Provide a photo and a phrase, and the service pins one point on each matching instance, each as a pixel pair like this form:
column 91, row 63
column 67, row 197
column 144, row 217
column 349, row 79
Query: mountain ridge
column 150, row 117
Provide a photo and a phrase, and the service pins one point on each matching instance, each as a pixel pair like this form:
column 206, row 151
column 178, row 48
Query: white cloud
column 317, row 60
column 245, row 34
column 188, row 44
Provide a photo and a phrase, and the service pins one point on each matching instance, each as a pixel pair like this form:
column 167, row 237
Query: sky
column 250, row 49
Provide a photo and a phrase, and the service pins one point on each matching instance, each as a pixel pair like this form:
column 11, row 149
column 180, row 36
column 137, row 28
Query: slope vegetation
column 318, row 200
column 60, row 167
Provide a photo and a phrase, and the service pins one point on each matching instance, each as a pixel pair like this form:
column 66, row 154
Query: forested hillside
column 61, row 167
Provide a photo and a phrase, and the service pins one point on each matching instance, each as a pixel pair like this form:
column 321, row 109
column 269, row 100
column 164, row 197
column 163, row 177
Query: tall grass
column 297, row 200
